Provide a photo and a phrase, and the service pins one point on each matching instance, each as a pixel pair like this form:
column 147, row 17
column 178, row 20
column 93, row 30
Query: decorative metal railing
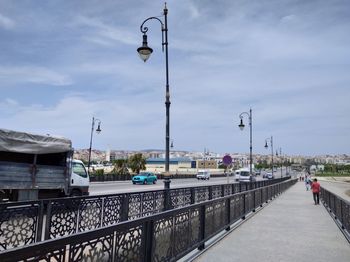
column 339, row 208
column 23, row 223
column 166, row 236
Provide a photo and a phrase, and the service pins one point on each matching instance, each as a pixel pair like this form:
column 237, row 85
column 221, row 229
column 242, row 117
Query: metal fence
column 23, row 223
column 166, row 236
column 340, row 208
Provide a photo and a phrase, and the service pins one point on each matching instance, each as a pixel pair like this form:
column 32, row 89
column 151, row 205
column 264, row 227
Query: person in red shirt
column 315, row 186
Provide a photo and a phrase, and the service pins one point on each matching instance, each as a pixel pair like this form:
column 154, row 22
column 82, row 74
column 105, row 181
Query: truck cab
column 79, row 180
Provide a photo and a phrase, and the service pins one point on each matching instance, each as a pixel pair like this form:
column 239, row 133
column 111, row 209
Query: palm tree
column 137, row 162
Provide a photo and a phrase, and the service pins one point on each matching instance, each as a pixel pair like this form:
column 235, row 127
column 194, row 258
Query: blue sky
column 63, row 62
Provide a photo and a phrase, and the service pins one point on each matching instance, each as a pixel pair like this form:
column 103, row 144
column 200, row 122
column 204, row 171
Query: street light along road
column 145, row 51
column 241, row 126
column 98, row 130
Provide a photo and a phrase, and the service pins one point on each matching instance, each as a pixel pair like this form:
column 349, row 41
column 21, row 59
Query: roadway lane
column 114, row 187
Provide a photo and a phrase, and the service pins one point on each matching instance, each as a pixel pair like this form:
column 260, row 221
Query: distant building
column 206, row 164
column 175, row 164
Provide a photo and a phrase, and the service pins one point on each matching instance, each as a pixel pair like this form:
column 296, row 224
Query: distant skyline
column 63, row 62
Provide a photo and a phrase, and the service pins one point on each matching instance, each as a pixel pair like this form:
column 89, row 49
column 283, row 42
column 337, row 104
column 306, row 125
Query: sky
column 63, row 62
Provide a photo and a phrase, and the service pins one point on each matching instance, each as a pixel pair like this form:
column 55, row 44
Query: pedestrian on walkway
column 315, row 186
column 307, row 182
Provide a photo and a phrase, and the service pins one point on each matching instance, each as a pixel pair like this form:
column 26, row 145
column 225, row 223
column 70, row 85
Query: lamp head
column 266, row 146
column 241, row 125
column 172, row 144
column 144, row 51
column 98, row 130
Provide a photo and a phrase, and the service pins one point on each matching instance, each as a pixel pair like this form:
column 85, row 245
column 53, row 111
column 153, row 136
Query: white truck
column 39, row 166
column 203, row 174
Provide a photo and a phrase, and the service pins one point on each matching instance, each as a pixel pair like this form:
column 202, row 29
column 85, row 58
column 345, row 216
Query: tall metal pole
column 272, row 153
column 281, row 161
column 167, row 101
column 251, row 141
column 92, row 131
column 145, row 52
column 241, row 126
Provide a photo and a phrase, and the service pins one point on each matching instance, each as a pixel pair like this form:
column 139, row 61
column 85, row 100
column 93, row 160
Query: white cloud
column 6, row 22
column 104, row 34
column 34, row 74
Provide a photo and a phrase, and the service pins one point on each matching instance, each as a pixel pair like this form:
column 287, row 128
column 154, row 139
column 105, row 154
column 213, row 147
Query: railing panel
column 62, row 217
column 201, row 194
column 215, row 217
column 129, row 244
column 180, row 197
column 112, row 209
column 18, row 225
column 98, row 249
column 216, row 191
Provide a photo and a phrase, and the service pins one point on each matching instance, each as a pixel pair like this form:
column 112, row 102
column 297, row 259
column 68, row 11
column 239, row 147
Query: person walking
column 315, row 187
column 307, row 182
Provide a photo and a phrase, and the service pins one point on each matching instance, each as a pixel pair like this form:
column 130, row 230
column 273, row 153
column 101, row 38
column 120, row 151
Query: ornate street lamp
column 145, row 51
column 98, row 130
column 241, row 126
column 266, row 146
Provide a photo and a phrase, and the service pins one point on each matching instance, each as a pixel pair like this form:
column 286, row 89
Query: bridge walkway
column 291, row 228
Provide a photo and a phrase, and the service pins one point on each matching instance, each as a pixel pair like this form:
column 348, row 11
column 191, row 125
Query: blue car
column 144, row 178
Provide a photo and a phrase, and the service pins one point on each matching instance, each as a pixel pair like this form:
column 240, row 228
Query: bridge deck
column 291, row 228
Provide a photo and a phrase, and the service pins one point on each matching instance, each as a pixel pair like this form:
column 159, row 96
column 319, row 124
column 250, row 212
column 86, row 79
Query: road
column 115, row 187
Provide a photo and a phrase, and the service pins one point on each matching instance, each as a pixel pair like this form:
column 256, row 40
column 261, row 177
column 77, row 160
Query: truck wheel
column 75, row 193
column 145, row 182
column 154, row 181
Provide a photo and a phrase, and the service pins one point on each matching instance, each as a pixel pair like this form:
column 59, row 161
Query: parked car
column 203, row 174
column 144, row 178
column 270, row 176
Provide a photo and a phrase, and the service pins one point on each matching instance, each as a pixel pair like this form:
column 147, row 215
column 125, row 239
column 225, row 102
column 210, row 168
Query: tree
column 137, row 162
column 120, row 166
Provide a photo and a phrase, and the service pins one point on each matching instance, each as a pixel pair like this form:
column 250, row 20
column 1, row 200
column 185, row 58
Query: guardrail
column 23, row 223
column 166, row 236
column 339, row 208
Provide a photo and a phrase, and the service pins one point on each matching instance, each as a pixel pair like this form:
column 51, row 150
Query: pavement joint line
column 235, row 225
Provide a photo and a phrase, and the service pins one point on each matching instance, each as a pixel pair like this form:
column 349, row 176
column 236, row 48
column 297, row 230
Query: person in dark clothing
column 315, row 187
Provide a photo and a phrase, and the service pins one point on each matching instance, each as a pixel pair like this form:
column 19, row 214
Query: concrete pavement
column 289, row 229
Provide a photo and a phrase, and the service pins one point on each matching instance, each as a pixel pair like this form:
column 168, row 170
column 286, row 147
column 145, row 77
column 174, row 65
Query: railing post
column 228, row 204
column 48, row 220
column 254, row 200
column 167, row 203
column 40, row 221
column 193, row 195
column 210, row 188
column 148, row 240
column 125, row 208
column 244, row 206
column 202, row 226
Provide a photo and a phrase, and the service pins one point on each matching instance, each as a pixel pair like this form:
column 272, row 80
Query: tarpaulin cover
column 21, row 142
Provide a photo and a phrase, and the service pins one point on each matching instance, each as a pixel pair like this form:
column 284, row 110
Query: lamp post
column 145, row 51
column 98, row 130
column 266, row 146
column 241, row 126
column 281, row 159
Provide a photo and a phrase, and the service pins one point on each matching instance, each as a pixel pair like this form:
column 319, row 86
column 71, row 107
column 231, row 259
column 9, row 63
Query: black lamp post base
column 167, row 183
